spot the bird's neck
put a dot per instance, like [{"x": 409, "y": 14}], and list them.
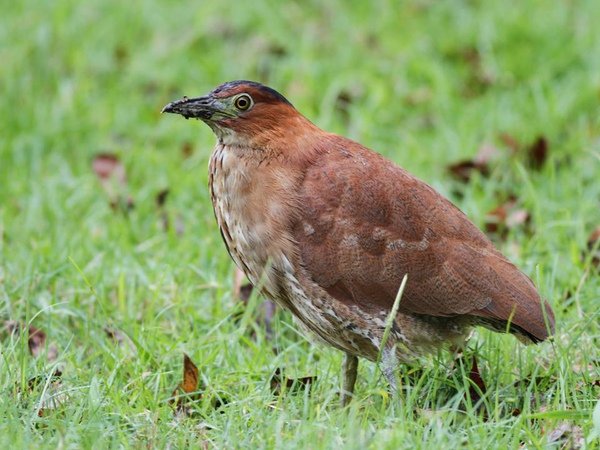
[
  {"x": 286, "y": 141},
  {"x": 251, "y": 184}
]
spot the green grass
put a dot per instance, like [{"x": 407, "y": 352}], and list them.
[{"x": 81, "y": 78}]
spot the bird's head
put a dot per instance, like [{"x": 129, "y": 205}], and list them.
[{"x": 242, "y": 113}]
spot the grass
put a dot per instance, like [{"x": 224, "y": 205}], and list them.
[{"x": 426, "y": 83}]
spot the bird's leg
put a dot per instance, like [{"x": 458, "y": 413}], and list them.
[
  {"x": 350, "y": 369},
  {"x": 389, "y": 363}
]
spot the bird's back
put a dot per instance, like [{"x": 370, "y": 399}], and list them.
[{"x": 366, "y": 222}]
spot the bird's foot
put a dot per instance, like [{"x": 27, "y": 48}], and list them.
[{"x": 350, "y": 369}]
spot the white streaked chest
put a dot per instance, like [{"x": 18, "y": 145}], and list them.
[{"x": 244, "y": 211}]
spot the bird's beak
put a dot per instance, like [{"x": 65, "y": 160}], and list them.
[{"x": 198, "y": 108}]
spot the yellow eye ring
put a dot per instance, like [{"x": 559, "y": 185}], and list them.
[{"x": 243, "y": 102}]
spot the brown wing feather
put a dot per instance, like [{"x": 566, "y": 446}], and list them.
[{"x": 374, "y": 223}]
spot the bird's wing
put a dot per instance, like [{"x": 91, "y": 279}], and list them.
[{"x": 365, "y": 223}]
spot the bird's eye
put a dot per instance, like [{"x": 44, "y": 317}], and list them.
[{"x": 243, "y": 102}]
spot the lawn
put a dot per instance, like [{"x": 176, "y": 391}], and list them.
[{"x": 123, "y": 281}]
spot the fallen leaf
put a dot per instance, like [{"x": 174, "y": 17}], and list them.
[
  {"x": 537, "y": 153},
  {"x": 114, "y": 335},
  {"x": 187, "y": 149},
  {"x": 189, "y": 386},
  {"x": 343, "y": 101},
  {"x": 36, "y": 338},
  {"x": 36, "y": 341},
  {"x": 517, "y": 218},
  {"x": 510, "y": 142},
  {"x": 277, "y": 50},
  {"x": 122, "y": 205},
  {"x": 486, "y": 153},
  {"x": 120, "y": 55},
  {"x": 160, "y": 200},
  {"x": 107, "y": 165},
  {"x": 11, "y": 327},
  {"x": 292, "y": 385},
  {"x": 479, "y": 76},
  {"x": 161, "y": 197},
  {"x": 475, "y": 377},
  {"x": 119, "y": 338},
  {"x": 593, "y": 246},
  {"x": 463, "y": 170},
  {"x": 111, "y": 173},
  {"x": 190, "y": 375},
  {"x": 505, "y": 217},
  {"x": 245, "y": 292}
]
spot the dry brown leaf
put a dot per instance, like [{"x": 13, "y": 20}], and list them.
[
  {"x": 160, "y": 200},
  {"x": 187, "y": 149},
  {"x": 190, "y": 375},
  {"x": 517, "y": 217},
  {"x": 593, "y": 245},
  {"x": 114, "y": 335},
  {"x": 108, "y": 165},
  {"x": 477, "y": 387},
  {"x": 486, "y": 153},
  {"x": 36, "y": 338},
  {"x": 189, "y": 386},
  {"x": 510, "y": 142},
  {"x": 111, "y": 173},
  {"x": 537, "y": 153},
  {"x": 245, "y": 292},
  {"x": 480, "y": 77},
  {"x": 505, "y": 217},
  {"x": 36, "y": 341},
  {"x": 463, "y": 170},
  {"x": 120, "y": 55},
  {"x": 343, "y": 101},
  {"x": 292, "y": 385},
  {"x": 11, "y": 326},
  {"x": 118, "y": 337},
  {"x": 476, "y": 378},
  {"x": 161, "y": 197}
]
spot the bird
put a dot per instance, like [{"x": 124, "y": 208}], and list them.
[{"x": 329, "y": 230}]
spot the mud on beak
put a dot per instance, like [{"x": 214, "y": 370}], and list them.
[{"x": 201, "y": 108}]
